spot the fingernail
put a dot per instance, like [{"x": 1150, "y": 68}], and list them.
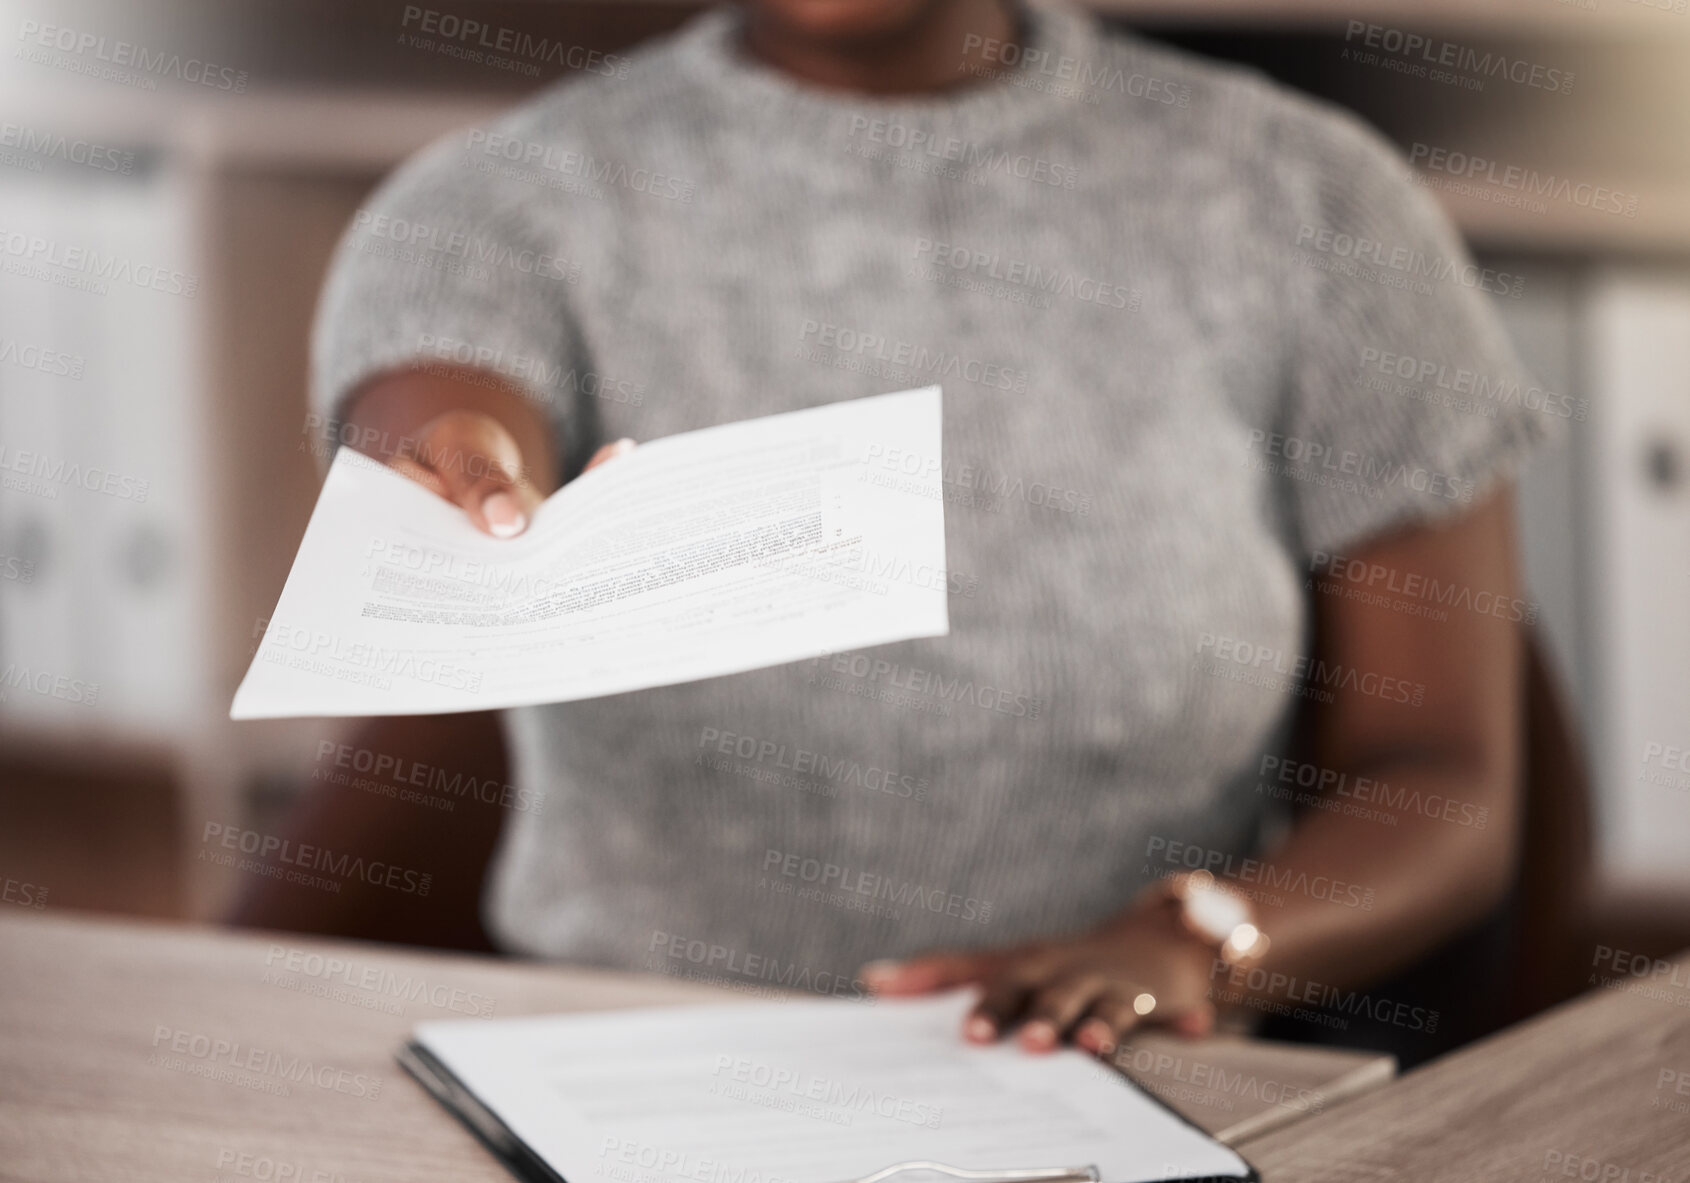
[
  {"x": 1038, "y": 1035},
  {"x": 504, "y": 519},
  {"x": 1195, "y": 1025},
  {"x": 1098, "y": 1036},
  {"x": 622, "y": 447},
  {"x": 980, "y": 1029}
]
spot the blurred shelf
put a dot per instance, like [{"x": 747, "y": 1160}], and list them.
[
  {"x": 1661, "y": 225},
  {"x": 367, "y": 132},
  {"x": 1500, "y": 18},
  {"x": 317, "y": 130}
]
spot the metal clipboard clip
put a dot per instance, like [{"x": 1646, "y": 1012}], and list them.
[{"x": 1086, "y": 1174}]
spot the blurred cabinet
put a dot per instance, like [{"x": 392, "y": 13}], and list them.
[
  {"x": 102, "y": 518},
  {"x": 1554, "y": 535},
  {"x": 1605, "y": 541},
  {"x": 1637, "y": 340}
]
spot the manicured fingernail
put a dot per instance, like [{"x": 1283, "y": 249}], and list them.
[
  {"x": 1195, "y": 1025},
  {"x": 622, "y": 447},
  {"x": 1097, "y": 1035},
  {"x": 980, "y": 1029},
  {"x": 504, "y": 519},
  {"x": 1038, "y": 1035}
]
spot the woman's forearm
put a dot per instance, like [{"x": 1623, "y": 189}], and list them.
[
  {"x": 1424, "y": 868},
  {"x": 1356, "y": 894}
]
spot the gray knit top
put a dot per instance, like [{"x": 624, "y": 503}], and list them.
[{"x": 1195, "y": 333}]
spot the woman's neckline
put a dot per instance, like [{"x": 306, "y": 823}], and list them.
[{"x": 1019, "y": 84}]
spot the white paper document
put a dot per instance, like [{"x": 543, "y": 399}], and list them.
[
  {"x": 806, "y": 1092},
  {"x": 716, "y": 551}
]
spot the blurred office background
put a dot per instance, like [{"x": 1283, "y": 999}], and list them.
[{"x": 236, "y": 193}]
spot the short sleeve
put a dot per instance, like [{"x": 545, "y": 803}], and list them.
[
  {"x": 1406, "y": 401},
  {"x": 447, "y": 264}
]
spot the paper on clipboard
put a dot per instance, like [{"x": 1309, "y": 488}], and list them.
[{"x": 804, "y": 1092}]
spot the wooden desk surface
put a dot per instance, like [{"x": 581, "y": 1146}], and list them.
[
  {"x": 90, "y": 1087},
  {"x": 1597, "y": 1089}
]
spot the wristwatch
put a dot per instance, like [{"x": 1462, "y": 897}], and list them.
[{"x": 1218, "y": 916}]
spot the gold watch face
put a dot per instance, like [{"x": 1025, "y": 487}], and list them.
[{"x": 1214, "y": 913}]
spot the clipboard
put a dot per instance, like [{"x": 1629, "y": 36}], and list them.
[{"x": 521, "y": 1161}]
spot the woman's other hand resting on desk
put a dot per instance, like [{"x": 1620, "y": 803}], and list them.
[
  {"x": 1092, "y": 990},
  {"x": 481, "y": 445}
]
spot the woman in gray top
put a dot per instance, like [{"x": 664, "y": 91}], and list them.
[{"x": 1228, "y": 431}]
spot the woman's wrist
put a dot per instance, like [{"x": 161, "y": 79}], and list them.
[{"x": 1222, "y": 921}]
